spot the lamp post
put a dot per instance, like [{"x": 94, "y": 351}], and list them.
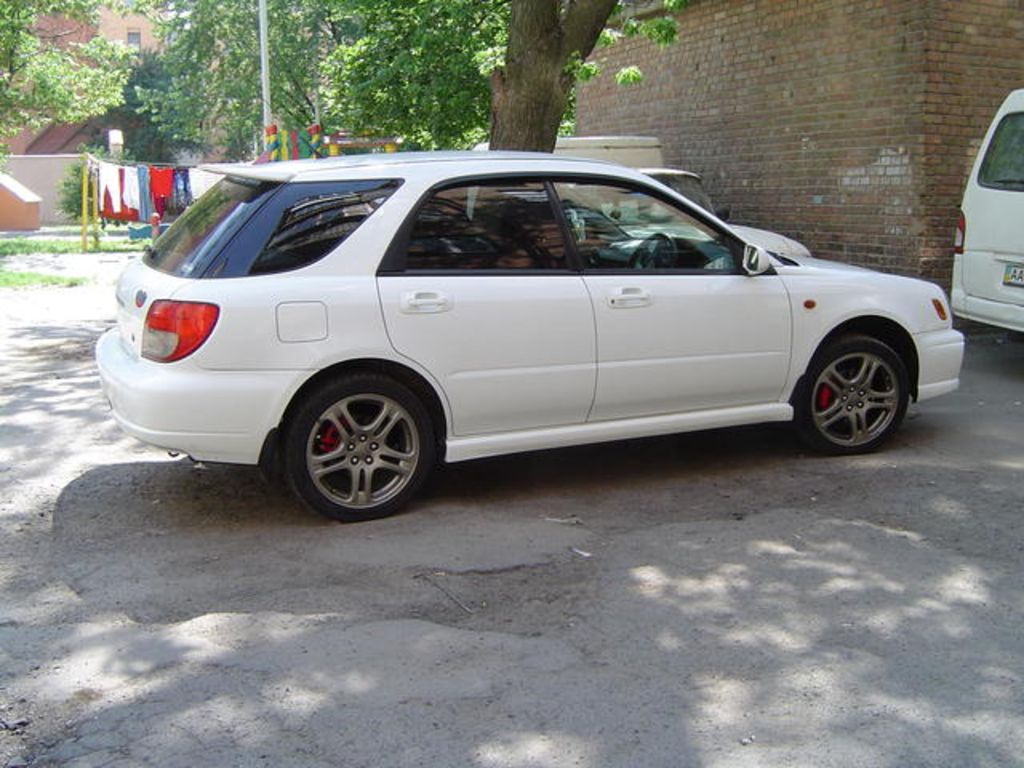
[{"x": 264, "y": 63}]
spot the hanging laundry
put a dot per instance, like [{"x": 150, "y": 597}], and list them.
[
  {"x": 201, "y": 180},
  {"x": 182, "y": 190},
  {"x": 131, "y": 187},
  {"x": 115, "y": 207},
  {"x": 145, "y": 196},
  {"x": 161, "y": 184},
  {"x": 109, "y": 186},
  {"x": 128, "y": 212}
]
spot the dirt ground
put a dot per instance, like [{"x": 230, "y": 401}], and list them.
[{"x": 714, "y": 599}]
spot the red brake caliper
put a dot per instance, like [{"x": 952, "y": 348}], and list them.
[
  {"x": 825, "y": 397},
  {"x": 328, "y": 438}
]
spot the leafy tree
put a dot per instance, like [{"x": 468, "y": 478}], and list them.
[
  {"x": 548, "y": 44},
  {"x": 144, "y": 138},
  {"x": 415, "y": 68},
  {"x": 439, "y": 72},
  {"x": 211, "y": 52},
  {"x": 436, "y": 72},
  {"x": 45, "y": 75}
]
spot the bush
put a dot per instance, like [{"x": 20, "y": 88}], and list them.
[{"x": 69, "y": 193}]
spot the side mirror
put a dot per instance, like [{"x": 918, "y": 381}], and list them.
[
  {"x": 755, "y": 260},
  {"x": 723, "y": 212}
]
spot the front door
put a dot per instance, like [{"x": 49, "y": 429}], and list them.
[{"x": 679, "y": 327}]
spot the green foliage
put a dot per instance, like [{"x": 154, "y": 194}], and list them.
[
  {"x": 27, "y": 245},
  {"x": 581, "y": 70},
  {"x": 661, "y": 30},
  {"x": 69, "y": 193},
  {"x": 608, "y": 37},
  {"x": 629, "y": 76},
  {"x": 35, "y": 280},
  {"x": 45, "y": 76},
  {"x": 210, "y": 96},
  {"x": 145, "y": 139},
  {"x": 416, "y": 68}
]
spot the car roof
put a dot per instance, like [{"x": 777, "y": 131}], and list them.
[{"x": 450, "y": 163}]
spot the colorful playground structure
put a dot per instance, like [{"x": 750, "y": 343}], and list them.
[{"x": 311, "y": 142}]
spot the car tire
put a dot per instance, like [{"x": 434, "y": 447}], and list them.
[
  {"x": 853, "y": 396},
  {"x": 358, "y": 448}
]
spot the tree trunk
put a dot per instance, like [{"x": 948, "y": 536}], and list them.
[{"x": 530, "y": 93}]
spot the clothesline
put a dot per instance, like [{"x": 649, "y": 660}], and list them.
[{"x": 135, "y": 192}]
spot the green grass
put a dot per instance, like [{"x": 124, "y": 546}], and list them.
[
  {"x": 26, "y": 245},
  {"x": 35, "y": 279}
]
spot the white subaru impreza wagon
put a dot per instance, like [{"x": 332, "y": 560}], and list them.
[{"x": 353, "y": 321}]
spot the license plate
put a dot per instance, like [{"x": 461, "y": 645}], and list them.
[{"x": 1014, "y": 275}]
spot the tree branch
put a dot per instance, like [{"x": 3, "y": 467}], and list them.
[{"x": 582, "y": 25}]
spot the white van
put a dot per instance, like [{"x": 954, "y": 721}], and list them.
[{"x": 988, "y": 268}]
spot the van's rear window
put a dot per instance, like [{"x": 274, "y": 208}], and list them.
[
  {"x": 190, "y": 243},
  {"x": 1003, "y": 166}
]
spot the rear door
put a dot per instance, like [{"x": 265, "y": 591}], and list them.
[
  {"x": 993, "y": 259},
  {"x": 477, "y": 290}
]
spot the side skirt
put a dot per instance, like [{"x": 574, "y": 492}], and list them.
[{"x": 480, "y": 446}]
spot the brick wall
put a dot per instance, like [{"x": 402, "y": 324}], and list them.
[
  {"x": 974, "y": 55},
  {"x": 824, "y": 119}
]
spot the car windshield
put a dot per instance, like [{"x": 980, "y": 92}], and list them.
[{"x": 193, "y": 240}]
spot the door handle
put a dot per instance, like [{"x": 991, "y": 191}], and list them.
[
  {"x": 425, "y": 302},
  {"x": 627, "y": 298}
]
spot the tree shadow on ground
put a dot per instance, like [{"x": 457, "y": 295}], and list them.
[{"x": 751, "y": 631}]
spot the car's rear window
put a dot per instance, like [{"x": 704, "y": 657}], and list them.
[
  {"x": 318, "y": 221},
  {"x": 192, "y": 241},
  {"x": 1003, "y": 166}
]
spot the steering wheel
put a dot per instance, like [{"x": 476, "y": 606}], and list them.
[{"x": 657, "y": 251}]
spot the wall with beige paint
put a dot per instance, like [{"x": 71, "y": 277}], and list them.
[
  {"x": 42, "y": 175},
  {"x": 19, "y": 206}
]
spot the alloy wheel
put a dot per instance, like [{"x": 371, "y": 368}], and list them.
[
  {"x": 855, "y": 399},
  {"x": 363, "y": 451}
]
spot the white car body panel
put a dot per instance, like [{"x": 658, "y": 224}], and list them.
[
  {"x": 841, "y": 293},
  {"x": 773, "y": 242},
  {"x": 678, "y": 343},
  {"x": 561, "y": 367},
  {"x": 502, "y": 362}
]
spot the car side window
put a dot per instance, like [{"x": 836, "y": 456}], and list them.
[
  {"x": 619, "y": 227},
  {"x": 487, "y": 226},
  {"x": 1003, "y": 166},
  {"x": 314, "y": 225}
]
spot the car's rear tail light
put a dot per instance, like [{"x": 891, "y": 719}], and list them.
[
  {"x": 176, "y": 329},
  {"x": 961, "y": 233}
]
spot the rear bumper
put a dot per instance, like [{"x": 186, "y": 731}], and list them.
[
  {"x": 999, "y": 313},
  {"x": 209, "y": 415},
  {"x": 940, "y": 355}
]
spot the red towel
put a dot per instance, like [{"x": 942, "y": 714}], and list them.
[{"x": 161, "y": 187}]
